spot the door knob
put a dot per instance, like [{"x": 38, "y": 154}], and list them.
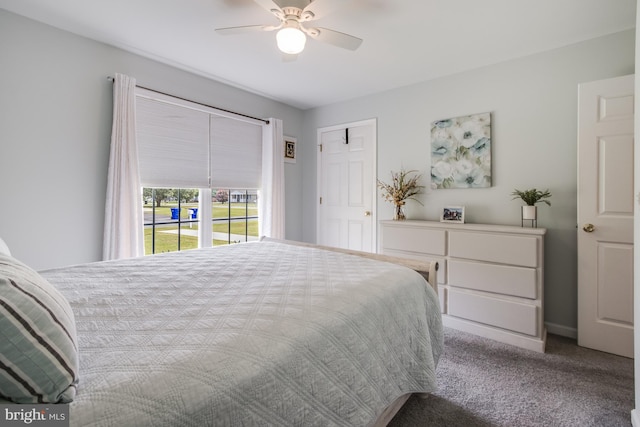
[
  {"x": 588, "y": 228},
  {"x": 367, "y": 213}
]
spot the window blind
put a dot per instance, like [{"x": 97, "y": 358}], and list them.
[
  {"x": 236, "y": 153},
  {"x": 186, "y": 145},
  {"x": 173, "y": 145}
]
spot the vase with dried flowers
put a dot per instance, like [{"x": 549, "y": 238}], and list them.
[{"x": 402, "y": 188}]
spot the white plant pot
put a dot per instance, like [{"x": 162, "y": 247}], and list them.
[{"x": 530, "y": 213}]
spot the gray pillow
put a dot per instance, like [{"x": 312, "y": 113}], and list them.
[{"x": 38, "y": 345}]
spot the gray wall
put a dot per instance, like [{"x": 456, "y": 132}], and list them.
[
  {"x": 55, "y": 128},
  {"x": 533, "y": 102}
]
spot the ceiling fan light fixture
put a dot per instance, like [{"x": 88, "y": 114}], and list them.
[{"x": 291, "y": 40}]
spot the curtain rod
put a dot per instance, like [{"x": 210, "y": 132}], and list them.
[{"x": 199, "y": 103}]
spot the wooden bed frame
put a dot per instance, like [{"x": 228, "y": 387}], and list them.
[{"x": 428, "y": 270}]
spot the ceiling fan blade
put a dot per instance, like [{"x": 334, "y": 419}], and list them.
[
  {"x": 270, "y": 6},
  {"x": 244, "y": 29},
  {"x": 335, "y": 38},
  {"x": 320, "y": 8}
]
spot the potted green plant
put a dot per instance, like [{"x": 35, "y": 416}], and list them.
[
  {"x": 402, "y": 188},
  {"x": 531, "y": 197}
]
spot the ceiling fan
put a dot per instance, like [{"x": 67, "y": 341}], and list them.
[{"x": 291, "y": 35}]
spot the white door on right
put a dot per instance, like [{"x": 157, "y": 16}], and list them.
[{"x": 605, "y": 215}]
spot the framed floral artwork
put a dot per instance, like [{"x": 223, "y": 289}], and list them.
[
  {"x": 290, "y": 149},
  {"x": 461, "y": 152}
]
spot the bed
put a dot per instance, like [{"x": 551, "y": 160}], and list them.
[{"x": 261, "y": 333}]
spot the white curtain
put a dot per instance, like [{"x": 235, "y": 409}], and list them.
[
  {"x": 271, "y": 221},
  {"x": 123, "y": 222}
]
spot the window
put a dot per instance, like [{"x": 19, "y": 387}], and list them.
[
  {"x": 172, "y": 218},
  {"x": 189, "y": 153},
  {"x": 169, "y": 218},
  {"x": 235, "y": 216}
]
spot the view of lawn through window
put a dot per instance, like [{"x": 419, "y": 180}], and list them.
[{"x": 171, "y": 218}]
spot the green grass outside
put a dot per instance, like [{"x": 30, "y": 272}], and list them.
[
  {"x": 219, "y": 210},
  {"x": 167, "y": 242},
  {"x": 238, "y": 227}
]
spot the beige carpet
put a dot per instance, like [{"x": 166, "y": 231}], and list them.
[{"x": 485, "y": 383}]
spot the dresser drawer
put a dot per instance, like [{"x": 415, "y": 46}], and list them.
[
  {"x": 501, "y": 279},
  {"x": 442, "y": 262},
  {"x": 413, "y": 239},
  {"x": 499, "y": 248},
  {"x": 510, "y": 315},
  {"x": 442, "y": 295}
]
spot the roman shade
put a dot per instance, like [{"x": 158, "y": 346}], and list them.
[
  {"x": 182, "y": 144},
  {"x": 236, "y": 153},
  {"x": 173, "y": 144}
]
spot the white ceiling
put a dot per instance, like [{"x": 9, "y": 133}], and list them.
[{"x": 405, "y": 41}]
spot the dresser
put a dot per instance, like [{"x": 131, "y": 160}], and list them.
[{"x": 490, "y": 280}]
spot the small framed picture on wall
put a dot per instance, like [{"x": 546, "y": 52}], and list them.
[
  {"x": 452, "y": 214},
  {"x": 289, "y": 149}
]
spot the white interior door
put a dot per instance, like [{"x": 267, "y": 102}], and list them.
[
  {"x": 347, "y": 186},
  {"x": 605, "y": 215}
]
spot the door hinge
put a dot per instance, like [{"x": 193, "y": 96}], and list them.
[
  {"x": 321, "y": 148},
  {"x": 320, "y": 200}
]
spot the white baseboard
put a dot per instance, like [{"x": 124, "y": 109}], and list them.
[
  {"x": 502, "y": 335},
  {"x": 635, "y": 418},
  {"x": 563, "y": 331}
]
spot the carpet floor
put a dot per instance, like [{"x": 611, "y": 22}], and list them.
[{"x": 482, "y": 382}]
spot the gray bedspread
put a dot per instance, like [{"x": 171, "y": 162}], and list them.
[{"x": 255, "y": 334}]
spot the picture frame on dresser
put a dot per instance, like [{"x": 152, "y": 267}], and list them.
[{"x": 452, "y": 214}]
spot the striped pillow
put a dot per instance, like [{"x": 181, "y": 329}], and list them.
[{"x": 38, "y": 350}]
